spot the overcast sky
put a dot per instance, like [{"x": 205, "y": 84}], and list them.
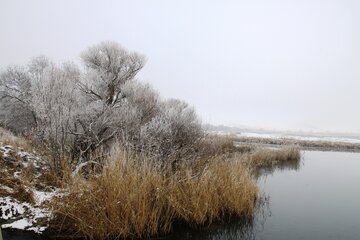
[{"x": 261, "y": 63}]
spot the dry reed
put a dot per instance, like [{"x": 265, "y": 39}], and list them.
[
  {"x": 7, "y": 138},
  {"x": 135, "y": 198},
  {"x": 262, "y": 160}
]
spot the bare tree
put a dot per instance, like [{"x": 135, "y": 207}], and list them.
[
  {"x": 109, "y": 67},
  {"x": 99, "y": 124},
  {"x": 15, "y": 98},
  {"x": 56, "y": 102}
]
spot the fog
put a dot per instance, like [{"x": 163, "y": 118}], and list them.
[{"x": 287, "y": 65}]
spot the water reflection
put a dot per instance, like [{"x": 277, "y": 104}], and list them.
[
  {"x": 293, "y": 164},
  {"x": 233, "y": 228}
]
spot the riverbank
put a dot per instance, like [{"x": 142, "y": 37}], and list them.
[{"x": 131, "y": 195}]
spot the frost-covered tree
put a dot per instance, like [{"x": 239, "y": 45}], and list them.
[
  {"x": 41, "y": 97},
  {"x": 56, "y": 102},
  {"x": 15, "y": 98},
  {"x": 108, "y": 67},
  {"x": 99, "y": 124},
  {"x": 106, "y": 114},
  {"x": 75, "y": 113}
]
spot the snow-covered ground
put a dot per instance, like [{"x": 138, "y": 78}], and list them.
[
  {"x": 17, "y": 214},
  {"x": 24, "y": 215}
]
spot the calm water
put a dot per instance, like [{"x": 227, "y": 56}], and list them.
[{"x": 316, "y": 199}]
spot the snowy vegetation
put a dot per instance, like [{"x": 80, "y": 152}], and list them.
[{"x": 75, "y": 113}]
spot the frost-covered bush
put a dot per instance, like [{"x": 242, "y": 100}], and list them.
[
  {"x": 75, "y": 113},
  {"x": 139, "y": 106},
  {"x": 173, "y": 132}
]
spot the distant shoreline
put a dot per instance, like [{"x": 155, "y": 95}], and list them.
[{"x": 303, "y": 144}]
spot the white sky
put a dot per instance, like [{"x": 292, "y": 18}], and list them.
[{"x": 273, "y": 64}]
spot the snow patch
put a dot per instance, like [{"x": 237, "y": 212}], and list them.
[
  {"x": 19, "y": 224},
  {"x": 11, "y": 208},
  {"x": 41, "y": 196},
  {"x": 23, "y": 214},
  {"x": 6, "y": 149}
]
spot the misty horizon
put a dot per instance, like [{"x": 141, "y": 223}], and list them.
[{"x": 282, "y": 65}]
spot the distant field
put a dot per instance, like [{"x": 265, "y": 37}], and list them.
[
  {"x": 324, "y": 143},
  {"x": 303, "y": 137},
  {"x": 307, "y": 143}
]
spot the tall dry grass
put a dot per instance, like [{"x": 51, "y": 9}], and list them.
[
  {"x": 265, "y": 160},
  {"x": 8, "y": 138},
  {"x": 269, "y": 157},
  {"x": 133, "y": 197}
]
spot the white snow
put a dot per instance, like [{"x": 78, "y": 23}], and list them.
[
  {"x": 6, "y": 150},
  {"x": 11, "y": 208},
  {"x": 38, "y": 230},
  {"x": 22, "y": 153},
  {"x": 19, "y": 224},
  {"x": 26, "y": 158},
  {"x": 25, "y": 224},
  {"x": 41, "y": 196}
]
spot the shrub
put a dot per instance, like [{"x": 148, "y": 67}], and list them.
[{"x": 173, "y": 132}]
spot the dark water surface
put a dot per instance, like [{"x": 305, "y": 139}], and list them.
[
  {"x": 13, "y": 234},
  {"x": 318, "y": 199}
]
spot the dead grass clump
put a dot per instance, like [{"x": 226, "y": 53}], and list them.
[
  {"x": 14, "y": 187},
  {"x": 28, "y": 173},
  {"x": 48, "y": 179},
  {"x": 264, "y": 158},
  {"x": 222, "y": 187},
  {"x": 215, "y": 145},
  {"x": 7, "y": 138},
  {"x": 11, "y": 186},
  {"x": 135, "y": 198}
]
